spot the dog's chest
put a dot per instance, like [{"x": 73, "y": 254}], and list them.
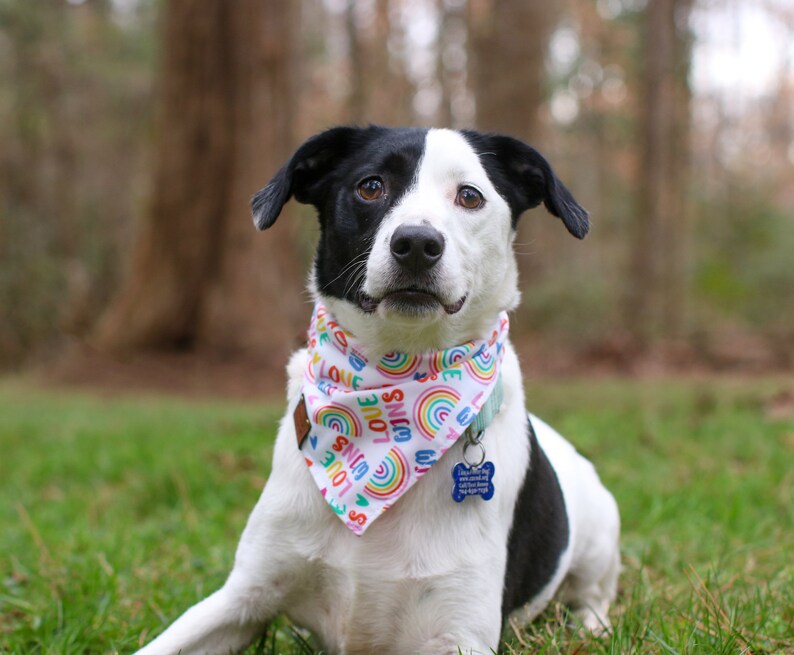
[{"x": 388, "y": 589}]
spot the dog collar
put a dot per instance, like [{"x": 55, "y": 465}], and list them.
[
  {"x": 370, "y": 428},
  {"x": 489, "y": 410}
]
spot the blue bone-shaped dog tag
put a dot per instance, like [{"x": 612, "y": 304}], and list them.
[{"x": 470, "y": 481}]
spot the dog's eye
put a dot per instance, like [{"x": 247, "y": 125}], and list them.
[
  {"x": 371, "y": 188},
  {"x": 469, "y": 198}
]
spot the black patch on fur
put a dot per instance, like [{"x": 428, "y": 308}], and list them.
[
  {"x": 524, "y": 178},
  {"x": 325, "y": 172},
  {"x": 539, "y": 534}
]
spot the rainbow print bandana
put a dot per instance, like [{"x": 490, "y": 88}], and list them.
[{"x": 374, "y": 427}]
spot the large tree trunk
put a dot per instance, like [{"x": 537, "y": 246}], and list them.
[
  {"x": 658, "y": 286},
  {"x": 508, "y": 44},
  {"x": 380, "y": 91},
  {"x": 509, "y": 39},
  {"x": 199, "y": 274}
]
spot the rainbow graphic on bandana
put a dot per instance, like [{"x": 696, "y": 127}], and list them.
[
  {"x": 338, "y": 418},
  {"x": 398, "y": 365},
  {"x": 432, "y": 408},
  {"x": 482, "y": 366},
  {"x": 378, "y": 423},
  {"x": 449, "y": 357},
  {"x": 391, "y": 476}
]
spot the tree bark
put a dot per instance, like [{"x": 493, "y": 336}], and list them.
[
  {"x": 658, "y": 286},
  {"x": 199, "y": 275},
  {"x": 357, "y": 99},
  {"x": 380, "y": 91},
  {"x": 508, "y": 44},
  {"x": 509, "y": 39},
  {"x": 451, "y": 62}
]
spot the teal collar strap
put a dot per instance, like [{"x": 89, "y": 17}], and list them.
[{"x": 489, "y": 410}]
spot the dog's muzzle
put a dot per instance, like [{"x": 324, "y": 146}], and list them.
[{"x": 415, "y": 249}]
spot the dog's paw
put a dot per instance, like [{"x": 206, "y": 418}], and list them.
[
  {"x": 591, "y": 622},
  {"x": 449, "y": 645}
]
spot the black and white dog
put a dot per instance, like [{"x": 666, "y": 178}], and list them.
[{"x": 414, "y": 256}]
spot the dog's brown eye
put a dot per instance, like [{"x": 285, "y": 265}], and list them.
[
  {"x": 371, "y": 188},
  {"x": 469, "y": 198}
]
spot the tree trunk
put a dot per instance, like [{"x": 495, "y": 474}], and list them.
[
  {"x": 200, "y": 276},
  {"x": 451, "y": 63},
  {"x": 380, "y": 91},
  {"x": 357, "y": 99},
  {"x": 657, "y": 297},
  {"x": 509, "y": 42}
]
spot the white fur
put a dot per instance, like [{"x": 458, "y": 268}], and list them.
[{"x": 427, "y": 576}]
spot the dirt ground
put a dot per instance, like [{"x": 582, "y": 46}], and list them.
[{"x": 184, "y": 374}]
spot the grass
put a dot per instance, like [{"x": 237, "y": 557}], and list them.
[{"x": 117, "y": 514}]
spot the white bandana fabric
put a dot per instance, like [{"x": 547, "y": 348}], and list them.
[{"x": 378, "y": 426}]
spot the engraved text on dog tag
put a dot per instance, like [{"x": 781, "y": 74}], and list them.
[{"x": 473, "y": 481}]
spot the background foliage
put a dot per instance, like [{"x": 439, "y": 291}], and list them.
[{"x": 705, "y": 277}]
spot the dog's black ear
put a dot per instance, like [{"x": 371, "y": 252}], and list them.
[
  {"x": 303, "y": 175},
  {"x": 524, "y": 177}
]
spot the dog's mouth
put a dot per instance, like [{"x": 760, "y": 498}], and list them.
[{"x": 411, "y": 300}]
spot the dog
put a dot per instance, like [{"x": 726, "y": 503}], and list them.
[{"x": 414, "y": 257}]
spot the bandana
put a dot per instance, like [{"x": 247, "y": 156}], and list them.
[{"x": 374, "y": 427}]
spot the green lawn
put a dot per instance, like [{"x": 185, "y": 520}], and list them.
[{"x": 117, "y": 514}]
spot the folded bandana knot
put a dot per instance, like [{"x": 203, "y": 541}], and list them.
[{"x": 375, "y": 426}]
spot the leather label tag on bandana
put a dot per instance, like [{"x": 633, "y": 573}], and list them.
[
  {"x": 380, "y": 421},
  {"x": 301, "y": 420}
]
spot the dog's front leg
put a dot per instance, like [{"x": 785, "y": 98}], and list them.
[
  {"x": 223, "y": 623},
  {"x": 230, "y": 619}
]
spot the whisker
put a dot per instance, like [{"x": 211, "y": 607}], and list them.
[
  {"x": 355, "y": 277},
  {"x": 356, "y": 261}
]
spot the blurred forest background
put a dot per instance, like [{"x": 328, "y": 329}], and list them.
[{"x": 134, "y": 132}]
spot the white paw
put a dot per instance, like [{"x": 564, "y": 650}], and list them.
[{"x": 593, "y": 622}]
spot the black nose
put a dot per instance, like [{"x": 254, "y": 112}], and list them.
[{"x": 417, "y": 247}]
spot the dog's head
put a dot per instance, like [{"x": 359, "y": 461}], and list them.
[{"x": 416, "y": 227}]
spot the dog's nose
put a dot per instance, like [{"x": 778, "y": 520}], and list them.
[{"x": 417, "y": 247}]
